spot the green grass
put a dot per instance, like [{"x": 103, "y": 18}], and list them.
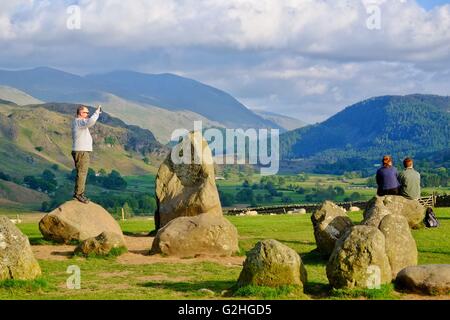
[{"x": 188, "y": 279}]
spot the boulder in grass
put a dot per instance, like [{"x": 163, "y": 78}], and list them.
[
  {"x": 401, "y": 247},
  {"x": 101, "y": 245},
  {"x": 204, "y": 234},
  {"x": 77, "y": 221},
  {"x": 330, "y": 222},
  {"x": 378, "y": 207},
  {"x": 271, "y": 263},
  {"x": 359, "y": 260},
  {"x": 431, "y": 279},
  {"x": 16, "y": 257}
]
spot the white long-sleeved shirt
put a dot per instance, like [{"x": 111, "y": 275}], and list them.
[{"x": 81, "y": 137}]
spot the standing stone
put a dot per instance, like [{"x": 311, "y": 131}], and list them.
[
  {"x": 329, "y": 223},
  {"x": 432, "y": 279},
  {"x": 401, "y": 247},
  {"x": 378, "y": 207},
  {"x": 187, "y": 188},
  {"x": 16, "y": 257},
  {"x": 74, "y": 220},
  {"x": 359, "y": 259},
  {"x": 204, "y": 234},
  {"x": 271, "y": 263},
  {"x": 101, "y": 245}
]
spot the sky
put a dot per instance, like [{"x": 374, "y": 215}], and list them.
[{"x": 303, "y": 58}]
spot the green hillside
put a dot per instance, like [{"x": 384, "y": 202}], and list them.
[
  {"x": 33, "y": 138},
  {"x": 397, "y": 125}
]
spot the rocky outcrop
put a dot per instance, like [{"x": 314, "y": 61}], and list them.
[
  {"x": 432, "y": 279},
  {"x": 16, "y": 258},
  {"x": 101, "y": 245},
  {"x": 204, "y": 234},
  {"x": 359, "y": 259},
  {"x": 74, "y": 220},
  {"x": 329, "y": 223},
  {"x": 271, "y": 263},
  {"x": 187, "y": 188}
]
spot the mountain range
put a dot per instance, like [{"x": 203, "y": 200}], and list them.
[{"x": 158, "y": 102}]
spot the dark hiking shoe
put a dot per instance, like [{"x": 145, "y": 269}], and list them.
[{"x": 81, "y": 198}]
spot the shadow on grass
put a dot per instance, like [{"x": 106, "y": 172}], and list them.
[
  {"x": 317, "y": 290},
  {"x": 299, "y": 242},
  {"x": 191, "y": 287},
  {"x": 314, "y": 257},
  {"x": 137, "y": 234}
]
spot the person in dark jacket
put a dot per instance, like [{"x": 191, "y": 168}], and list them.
[{"x": 387, "y": 178}]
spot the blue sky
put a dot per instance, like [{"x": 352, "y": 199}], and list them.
[
  {"x": 428, "y": 4},
  {"x": 303, "y": 58}
]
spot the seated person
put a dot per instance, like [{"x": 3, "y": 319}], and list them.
[
  {"x": 409, "y": 181},
  {"x": 387, "y": 178}
]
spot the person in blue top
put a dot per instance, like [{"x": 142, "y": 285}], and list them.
[{"x": 387, "y": 178}]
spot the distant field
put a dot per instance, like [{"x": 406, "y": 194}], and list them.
[{"x": 118, "y": 278}]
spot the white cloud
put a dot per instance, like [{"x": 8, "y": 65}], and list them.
[{"x": 313, "y": 56}]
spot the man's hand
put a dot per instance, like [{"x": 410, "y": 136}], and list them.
[{"x": 99, "y": 109}]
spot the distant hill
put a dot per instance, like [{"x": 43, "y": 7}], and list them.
[
  {"x": 285, "y": 122},
  {"x": 397, "y": 125},
  {"x": 161, "y": 122},
  {"x": 35, "y": 137},
  {"x": 165, "y": 91},
  {"x": 15, "y": 194},
  {"x": 17, "y": 96}
]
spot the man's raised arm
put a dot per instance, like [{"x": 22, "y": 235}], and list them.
[{"x": 87, "y": 123}]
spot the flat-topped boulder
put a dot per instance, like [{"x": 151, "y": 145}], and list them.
[
  {"x": 271, "y": 263},
  {"x": 378, "y": 207},
  {"x": 431, "y": 279},
  {"x": 16, "y": 257},
  {"x": 187, "y": 188},
  {"x": 78, "y": 221},
  {"x": 205, "y": 234},
  {"x": 330, "y": 222}
]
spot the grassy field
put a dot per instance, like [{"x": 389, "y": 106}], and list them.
[{"x": 112, "y": 278}]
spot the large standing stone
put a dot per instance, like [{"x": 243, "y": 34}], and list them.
[
  {"x": 204, "y": 234},
  {"x": 359, "y": 259},
  {"x": 329, "y": 223},
  {"x": 271, "y": 263},
  {"x": 16, "y": 258},
  {"x": 101, "y": 244},
  {"x": 74, "y": 220},
  {"x": 187, "y": 188},
  {"x": 378, "y": 207},
  {"x": 401, "y": 247},
  {"x": 430, "y": 279}
]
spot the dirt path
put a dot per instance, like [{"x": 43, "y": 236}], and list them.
[{"x": 138, "y": 253}]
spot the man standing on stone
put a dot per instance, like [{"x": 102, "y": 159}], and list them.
[
  {"x": 409, "y": 181},
  {"x": 81, "y": 148}
]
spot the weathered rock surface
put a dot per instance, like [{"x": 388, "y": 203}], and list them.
[
  {"x": 74, "y": 220},
  {"x": 359, "y": 259},
  {"x": 204, "y": 234},
  {"x": 187, "y": 188},
  {"x": 378, "y": 207},
  {"x": 16, "y": 257},
  {"x": 401, "y": 247},
  {"x": 101, "y": 244},
  {"x": 329, "y": 222},
  {"x": 431, "y": 279},
  {"x": 271, "y": 263}
]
